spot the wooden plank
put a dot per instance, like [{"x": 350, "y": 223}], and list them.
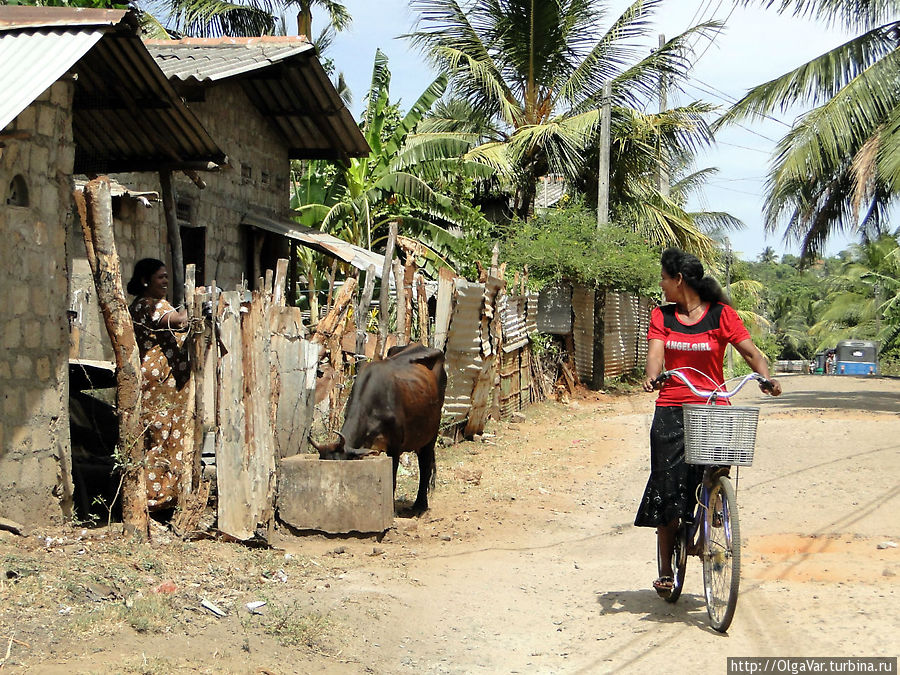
[
  {"x": 281, "y": 268},
  {"x": 362, "y": 311},
  {"x": 400, "y": 289},
  {"x": 260, "y": 445},
  {"x": 422, "y": 308},
  {"x": 444, "y": 306},
  {"x": 289, "y": 361},
  {"x": 233, "y": 497},
  {"x": 333, "y": 321},
  {"x": 384, "y": 313}
]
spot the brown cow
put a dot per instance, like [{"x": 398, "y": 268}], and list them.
[{"x": 395, "y": 407}]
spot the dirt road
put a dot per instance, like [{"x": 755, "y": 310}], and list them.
[{"x": 528, "y": 561}]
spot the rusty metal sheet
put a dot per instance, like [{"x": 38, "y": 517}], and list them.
[
  {"x": 510, "y": 384},
  {"x": 583, "y": 330},
  {"x": 554, "y": 310},
  {"x": 323, "y": 242},
  {"x": 554, "y": 313},
  {"x": 464, "y": 362}
]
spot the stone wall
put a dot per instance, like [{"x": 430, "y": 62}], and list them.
[{"x": 35, "y": 462}]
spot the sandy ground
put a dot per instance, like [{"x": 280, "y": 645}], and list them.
[{"x": 528, "y": 562}]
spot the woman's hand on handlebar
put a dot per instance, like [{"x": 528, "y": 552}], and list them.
[
  {"x": 771, "y": 387},
  {"x": 651, "y": 383}
]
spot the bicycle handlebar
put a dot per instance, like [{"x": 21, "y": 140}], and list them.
[{"x": 715, "y": 394}]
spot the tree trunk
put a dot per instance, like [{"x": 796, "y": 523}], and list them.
[
  {"x": 304, "y": 20},
  {"x": 95, "y": 208}
]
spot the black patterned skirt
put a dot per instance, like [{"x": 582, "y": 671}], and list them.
[{"x": 671, "y": 490}]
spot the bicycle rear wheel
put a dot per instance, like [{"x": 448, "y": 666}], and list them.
[
  {"x": 722, "y": 554},
  {"x": 679, "y": 562}
]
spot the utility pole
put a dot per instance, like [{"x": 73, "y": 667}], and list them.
[
  {"x": 730, "y": 350},
  {"x": 603, "y": 172},
  {"x": 664, "y": 186}
]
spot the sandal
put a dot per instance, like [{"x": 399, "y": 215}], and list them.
[{"x": 664, "y": 586}]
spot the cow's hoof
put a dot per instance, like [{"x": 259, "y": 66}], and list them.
[{"x": 413, "y": 511}]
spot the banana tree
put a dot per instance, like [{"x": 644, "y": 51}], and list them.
[{"x": 406, "y": 177}]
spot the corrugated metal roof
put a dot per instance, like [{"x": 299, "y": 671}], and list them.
[
  {"x": 126, "y": 114},
  {"x": 283, "y": 78},
  {"x": 32, "y": 61},
  {"x": 319, "y": 241}
]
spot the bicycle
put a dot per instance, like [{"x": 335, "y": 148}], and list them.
[{"x": 719, "y": 437}]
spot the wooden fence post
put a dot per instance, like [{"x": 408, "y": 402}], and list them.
[
  {"x": 95, "y": 208},
  {"x": 384, "y": 296}
]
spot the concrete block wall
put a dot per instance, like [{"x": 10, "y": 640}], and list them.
[{"x": 35, "y": 464}]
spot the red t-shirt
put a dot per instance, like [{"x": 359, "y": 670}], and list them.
[{"x": 700, "y": 345}]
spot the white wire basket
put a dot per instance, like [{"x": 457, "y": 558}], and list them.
[{"x": 719, "y": 434}]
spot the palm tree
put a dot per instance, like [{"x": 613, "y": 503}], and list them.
[
  {"x": 838, "y": 168},
  {"x": 864, "y": 302},
  {"x": 768, "y": 255},
  {"x": 537, "y": 67},
  {"x": 248, "y": 18}
]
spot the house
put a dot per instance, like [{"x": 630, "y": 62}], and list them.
[
  {"x": 84, "y": 96},
  {"x": 265, "y": 101},
  {"x": 81, "y": 95}
]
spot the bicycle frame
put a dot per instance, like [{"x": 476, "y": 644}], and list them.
[{"x": 699, "y": 523}]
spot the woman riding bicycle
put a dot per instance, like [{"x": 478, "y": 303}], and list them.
[{"x": 692, "y": 332}]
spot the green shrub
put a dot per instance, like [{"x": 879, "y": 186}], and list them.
[{"x": 567, "y": 244}]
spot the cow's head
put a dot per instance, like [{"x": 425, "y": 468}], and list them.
[{"x": 337, "y": 450}]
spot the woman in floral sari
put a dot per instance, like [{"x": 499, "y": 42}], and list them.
[{"x": 165, "y": 372}]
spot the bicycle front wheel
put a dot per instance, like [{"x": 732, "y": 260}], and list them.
[{"x": 722, "y": 554}]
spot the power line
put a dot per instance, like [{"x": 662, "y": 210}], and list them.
[
  {"x": 728, "y": 98},
  {"x": 724, "y": 23},
  {"x": 740, "y": 192},
  {"x": 743, "y": 147},
  {"x": 698, "y": 13},
  {"x": 738, "y": 124},
  {"x": 734, "y": 180}
]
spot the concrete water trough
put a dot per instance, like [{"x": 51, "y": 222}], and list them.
[{"x": 336, "y": 496}]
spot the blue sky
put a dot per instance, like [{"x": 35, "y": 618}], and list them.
[{"x": 756, "y": 46}]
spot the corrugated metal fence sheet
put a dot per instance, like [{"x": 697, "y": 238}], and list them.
[
  {"x": 464, "y": 360},
  {"x": 512, "y": 309},
  {"x": 317, "y": 240},
  {"x": 626, "y": 319},
  {"x": 583, "y": 331},
  {"x": 554, "y": 313}
]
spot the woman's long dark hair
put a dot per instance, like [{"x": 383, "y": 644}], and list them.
[
  {"x": 143, "y": 270},
  {"x": 675, "y": 261}
]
